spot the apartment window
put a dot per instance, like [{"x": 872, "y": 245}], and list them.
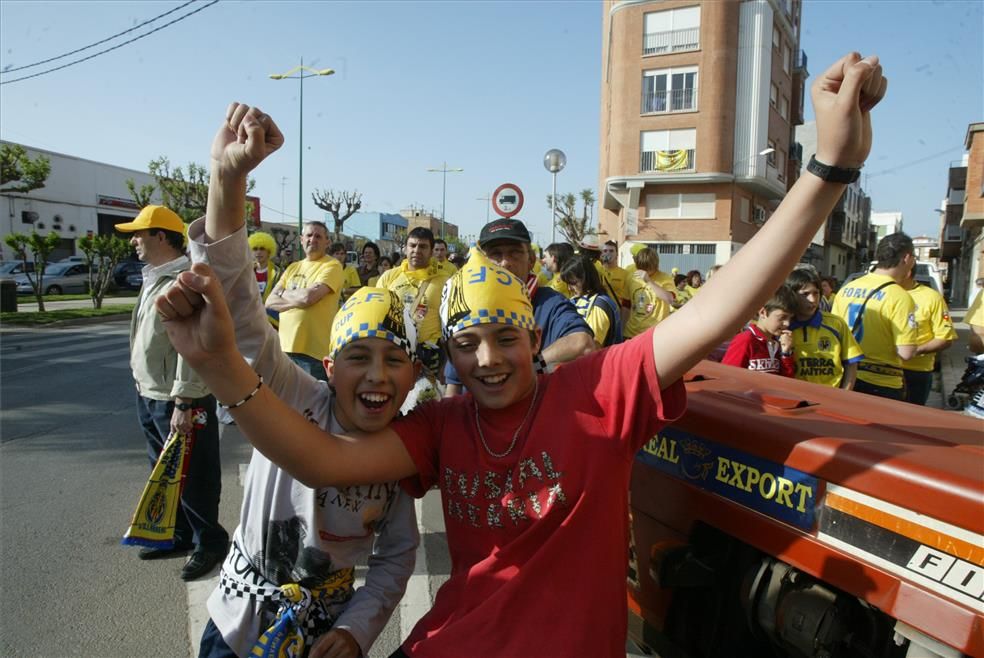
[
  {"x": 744, "y": 209},
  {"x": 668, "y": 150},
  {"x": 671, "y": 31},
  {"x": 787, "y": 58},
  {"x": 784, "y": 107},
  {"x": 776, "y": 38},
  {"x": 781, "y": 164},
  {"x": 680, "y": 206},
  {"x": 669, "y": 90},
  {"x": 771, "y": 157}
]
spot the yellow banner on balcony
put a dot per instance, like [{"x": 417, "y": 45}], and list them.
[{"x": 671, "y": 160}]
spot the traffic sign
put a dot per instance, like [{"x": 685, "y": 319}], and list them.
[{"x": 507, "y": 200}]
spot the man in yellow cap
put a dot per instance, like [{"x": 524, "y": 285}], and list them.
[
  {"x": 171, "y": 396},
  {"x": 264, "y": 249}
]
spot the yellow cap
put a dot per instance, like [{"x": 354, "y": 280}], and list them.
[
  {"x": 636, "y": 248},
  {"x": 154, "y": 217}
]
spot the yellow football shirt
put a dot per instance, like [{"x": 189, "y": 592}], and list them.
[
  {"x": 822, "y": 346},
  {"x": 932, "y": 321},
  {"x": 425, "y": 307},
  {"x": 975, "y": 314},
  {"x": 594, "y": 316},
  {"x": 889, "y": 320},
  {"x": 308, "y": 330},
  {"x": 646, "y": 310}
]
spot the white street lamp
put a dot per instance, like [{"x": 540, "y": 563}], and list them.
[
  {"x": 444, "y": 190},
  {"x": 554, "y": 161}
]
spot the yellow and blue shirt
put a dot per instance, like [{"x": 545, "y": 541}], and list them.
[
  {"x": 602, "y": 315},
  {"x": 889, "y": 320},
  {"x": 823, "y": 345},
  {"x": 932, "y": 321}
]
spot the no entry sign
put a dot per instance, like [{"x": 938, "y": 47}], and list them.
[{"x": 507, "y": 200}]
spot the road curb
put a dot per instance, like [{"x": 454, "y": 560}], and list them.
[{"x": 116, "y": 317}]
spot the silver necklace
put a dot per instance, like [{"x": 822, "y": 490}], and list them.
[{"x": 512, "y": 444}]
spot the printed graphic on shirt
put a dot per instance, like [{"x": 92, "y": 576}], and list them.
[
  {"x": 285, "y": 558},
  {"x": 493, "y": 499}
]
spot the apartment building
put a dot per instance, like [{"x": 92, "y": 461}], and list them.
[
  {"x": 962, "y": 219},
  {"x": 419, "y": 217},
  {"x": 698, "y": 105}
]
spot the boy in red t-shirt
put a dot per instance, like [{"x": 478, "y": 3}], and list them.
[
  {"x": 533, "y": 469},
  {"x": 766, "y": 344}
]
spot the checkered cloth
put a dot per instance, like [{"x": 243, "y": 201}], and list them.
[{"x": 373, "y": 313}]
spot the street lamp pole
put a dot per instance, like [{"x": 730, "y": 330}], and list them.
[
  {"x": 444, "y": 189},
  {"x": 289, "y": 75},
  {"x": 488, "y": 202},
  {"x": 554, "y": 161}
]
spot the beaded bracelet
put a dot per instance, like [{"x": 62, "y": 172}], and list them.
[{"x": 245, "y": 399}]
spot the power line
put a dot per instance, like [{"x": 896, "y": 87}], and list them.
[
  {"x": 904, "y": 165},
  {"x": 103, "y": 52},
  {"x": 93, "y": 45}
]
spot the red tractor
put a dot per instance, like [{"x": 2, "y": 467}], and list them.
[{"x": 781, "y": 518}]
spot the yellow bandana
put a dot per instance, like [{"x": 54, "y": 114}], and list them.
[
  {"x": 373, "y": 313},
  {"x": 481, "y": 292}
]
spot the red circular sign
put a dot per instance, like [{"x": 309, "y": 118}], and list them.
[{"x": 507, "y": 200}]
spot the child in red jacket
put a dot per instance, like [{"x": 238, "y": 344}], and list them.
[{"x": 766, "y": 344}]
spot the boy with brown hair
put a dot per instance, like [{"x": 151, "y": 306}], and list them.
[{"x": 766, "y": 344}]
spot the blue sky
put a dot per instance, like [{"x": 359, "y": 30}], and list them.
[{"x": 485, "y": 86}]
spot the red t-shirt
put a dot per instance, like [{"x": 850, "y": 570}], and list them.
[
  {"x": 754, "y": 350},
  {"x": 538, "y": 538}
]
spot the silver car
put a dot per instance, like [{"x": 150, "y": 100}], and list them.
[{"x": 59, "y": 278}]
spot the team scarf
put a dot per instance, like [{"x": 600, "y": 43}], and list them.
[{"x": 154, "y": 520}]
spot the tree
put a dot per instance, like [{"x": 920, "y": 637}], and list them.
[
  {"x": 40, "y": 248},
  {"x": 571, "y": 226},
  {"x": 457, "y": 246},
  {"x": 332, "y": 201},
  {"x": 102, "y": 253},
  {"x": 17, "y": 168},
  {"x": 185, "y": 191}
]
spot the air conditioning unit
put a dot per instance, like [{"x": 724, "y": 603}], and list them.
[
  {"x": 758, "y": 216},
  {"x": 29, "y": 216}
]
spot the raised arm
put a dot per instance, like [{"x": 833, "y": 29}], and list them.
[
  {"x": 842, "y": 99},
  {"x": 242, "y": 142}
]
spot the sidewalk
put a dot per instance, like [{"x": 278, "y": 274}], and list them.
[
  {"x": 951, "y": 361},
  {"x": 27, "y": 303}
]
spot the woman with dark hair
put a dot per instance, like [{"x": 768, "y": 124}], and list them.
[
  {"x": 592, "y": 300},
  {"x": 368, "y": 268},
  {"x": 694, "y": 282},
  {"x": 554, "y": 257}
]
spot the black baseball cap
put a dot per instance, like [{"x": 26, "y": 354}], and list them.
[{"x": 504, "y": 229}]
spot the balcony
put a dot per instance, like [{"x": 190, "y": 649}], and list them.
[
  {"x": 800, "y": 63},
  {"x": 673, "y": 41},
  {"x": 675, "y": 100},
  {"x": 796, "y": 152},
  {"x": 952, "y": 233},
  {"x": 668, "y": 161}
]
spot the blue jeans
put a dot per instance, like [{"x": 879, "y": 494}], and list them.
[
  {"x": 881, "y": 391},
  {"x": 917, "y": 386},
  {"x": 198, "y": 519},
  {"x": 212, "y": 645},
  {"x": 310, "y": 364}
]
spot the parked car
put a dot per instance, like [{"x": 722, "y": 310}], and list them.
[
  {"x": 123, "y": 272},
  {"x": 59, "y": 278},
  {"x": 10, "y": 268},
  {"x": 134, "y": 281}
]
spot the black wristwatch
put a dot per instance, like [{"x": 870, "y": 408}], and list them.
[
  {"x": 182, "y": 406},
  {"x": 830, "y": 173}
]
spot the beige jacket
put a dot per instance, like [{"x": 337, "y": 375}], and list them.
[{"x": 159, "y": 372}]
